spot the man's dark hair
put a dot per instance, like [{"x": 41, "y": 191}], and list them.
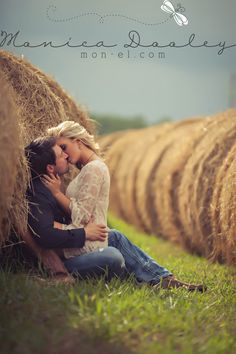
[{"x": 39, "y": 154}]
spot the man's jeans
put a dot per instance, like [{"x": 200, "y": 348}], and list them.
[{"x": 121, "y": 256}]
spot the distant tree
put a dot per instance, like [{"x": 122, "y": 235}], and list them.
[
  {"x": 164, "y": 119},
  {"x": 111, "y": 123}
]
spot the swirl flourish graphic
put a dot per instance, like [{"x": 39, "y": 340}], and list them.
[{"x": 52, "y": 10}]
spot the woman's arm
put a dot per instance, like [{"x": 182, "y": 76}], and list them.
[
  {"x": 63, "y": 201},
  {"x": 85, "y": 193}
]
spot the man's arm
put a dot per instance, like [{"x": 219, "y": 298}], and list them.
[
  {"x": 41, "y": 219},
  {"x": 41, "y": 224}
]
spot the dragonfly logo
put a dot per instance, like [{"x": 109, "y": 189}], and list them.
[{"x": 179, "y": 18}]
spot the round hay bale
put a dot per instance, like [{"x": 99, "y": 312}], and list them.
[
  {"x": 108, "y": 145},
  {"x": 180, "y": 184},
  {"x": 73, "y": 110},
  {"x": 106, "y": 141},
  {"x": 143, "y": 192},
  {"x": 40, "y": 108},
  {"x": 131, "y": 147},
  {"x": 9, "y": 150},
  {"x": 180, "y": 142},
  {"x": 113, "y": 158},
  {"x": 223, "y": 211},
  {"x": 199, "y": 180},
  {"x": 134, "y": 159}
]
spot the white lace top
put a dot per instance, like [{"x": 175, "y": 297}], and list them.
[{"x": 89, "y": 199}]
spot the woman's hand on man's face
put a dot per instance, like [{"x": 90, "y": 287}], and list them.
[{"x": 52, "y": 182}]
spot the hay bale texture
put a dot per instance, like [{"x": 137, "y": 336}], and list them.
[
  {"x": 150, "y": 158},
  {"x": 223, "y": 211},
  {"x": 199, "y": 181},
  {"x": 73, "y": 110},
  {"x": 115, "y": 152},
  {"x": 177, "y": 180},
  {"x": 9, "y": 150},
  {"x": 42, "y": 103},
  {"x": 176, "y": 148}
]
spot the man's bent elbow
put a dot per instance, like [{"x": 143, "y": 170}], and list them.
[{"x": 44, "y": 240}]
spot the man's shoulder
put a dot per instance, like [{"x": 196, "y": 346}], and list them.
[{"x": 38, "y": 193}]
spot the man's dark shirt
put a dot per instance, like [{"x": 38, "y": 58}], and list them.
[{"x": 44, "y": 210}]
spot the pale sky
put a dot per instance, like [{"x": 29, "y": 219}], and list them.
[{"x": 187, "y": 82}]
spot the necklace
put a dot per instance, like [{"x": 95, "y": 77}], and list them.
[{"x": 89, "y": 158}]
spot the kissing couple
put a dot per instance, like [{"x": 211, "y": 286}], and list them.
[{"x": 74, "y": 224}]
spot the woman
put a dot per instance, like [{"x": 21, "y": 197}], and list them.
[{"x": 87, "y": 195}]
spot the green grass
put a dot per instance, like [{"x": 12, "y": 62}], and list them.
[{"x": 120, "y": 317}]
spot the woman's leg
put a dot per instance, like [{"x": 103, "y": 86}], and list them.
[
  {"x": 145, "y": 268},
  {"x": 107, "y": 261}
]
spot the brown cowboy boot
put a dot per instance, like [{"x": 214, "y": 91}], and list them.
[{"x": 172, "y": 282}]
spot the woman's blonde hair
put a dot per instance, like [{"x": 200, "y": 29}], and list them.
[{"x": 73, "y": 130}]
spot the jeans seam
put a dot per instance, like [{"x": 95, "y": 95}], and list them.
[{"x": 138, "y": 260}]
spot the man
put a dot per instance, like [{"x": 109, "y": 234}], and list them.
[{"x": 121, "y": 256}]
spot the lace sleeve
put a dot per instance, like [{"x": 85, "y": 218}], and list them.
[{"x": 85, "y": 194}]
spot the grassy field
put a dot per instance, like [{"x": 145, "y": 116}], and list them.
[{"x": 120, "y": 317}]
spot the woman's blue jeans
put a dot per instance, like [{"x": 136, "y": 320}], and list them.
[
  {"x": 106, "y": 261},
  {"x": 137, "y": 262},
  {"x": 122, "y": 256}
]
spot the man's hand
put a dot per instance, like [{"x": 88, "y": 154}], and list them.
[
  {"x": 57, "y": 225},
  {"x": 94, "y": 232}
]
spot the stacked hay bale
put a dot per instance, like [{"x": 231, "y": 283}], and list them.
[
  {"x": 174, "y": 149},
  {"x": 198, "y": 183},
  {"x": 42, "y": 104},
  {"x": 223, "y": 211},
  {"x": 73, "y": 111},
  {"x": 135, "y": 160},
  {"x": 9, "y": 149},
  {"x": 170, "y": 180},
  {"x": 150, "y": 158},
  {"x": 114, "y": 152}
]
